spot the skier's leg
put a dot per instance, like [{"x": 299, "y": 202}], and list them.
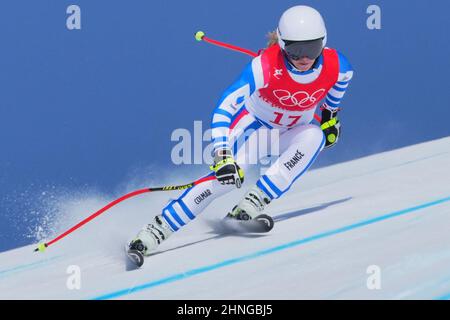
[
  {"x": 299, "y": 147},
  {"x": 179, "y": 212},
  {"x": 194, "y": 200}
]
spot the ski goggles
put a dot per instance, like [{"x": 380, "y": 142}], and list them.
[{"x": 296, "y": 50}]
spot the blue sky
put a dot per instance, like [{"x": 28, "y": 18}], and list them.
[{"x": 89, "y": 108}]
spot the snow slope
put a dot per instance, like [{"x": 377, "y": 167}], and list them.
[{"x": 390, "y": 210}]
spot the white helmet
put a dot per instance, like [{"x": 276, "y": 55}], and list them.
[{"x": 301, "y": 23}]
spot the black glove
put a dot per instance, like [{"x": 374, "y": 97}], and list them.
[
  {"x": 226, "y": 169},
  {"x": 330, "y": 126}
]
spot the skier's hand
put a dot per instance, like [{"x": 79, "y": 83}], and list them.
[
  {"x": 330, "y": 126},
  {"x": 226, "y": 169}
]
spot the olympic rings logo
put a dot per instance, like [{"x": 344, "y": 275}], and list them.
[{"x": 300, "y": 98}]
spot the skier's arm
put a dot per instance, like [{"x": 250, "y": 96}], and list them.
[
  {"x": 225, "y": 167},
  {"x": 232, "y": 101},
  {"x": 337, "y": 92},
  {"x": 330, "y": 123}
]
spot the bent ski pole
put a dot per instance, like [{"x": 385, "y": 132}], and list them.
[
  {"x": 41, "y": 247},
  {"x": 200, "y": 36}
]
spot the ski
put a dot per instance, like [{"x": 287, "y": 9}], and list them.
[
  {"x": 136, "y": 257},
  {"x": 260, "y": 224}
]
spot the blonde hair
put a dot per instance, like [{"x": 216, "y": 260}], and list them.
[{"x": 272, "y": 38}]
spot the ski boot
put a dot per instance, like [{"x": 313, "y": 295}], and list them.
[
  {"x": 148, "y": 239},
  {"x": 249, "y": 210},
  {"x": 253, "y": 203}
]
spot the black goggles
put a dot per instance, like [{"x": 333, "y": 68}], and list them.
[{"x": 296, "y": 50}]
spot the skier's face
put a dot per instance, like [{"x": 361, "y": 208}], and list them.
[
  {"x": 303, "y": 64},
  {"x": 302, "y": 54}
]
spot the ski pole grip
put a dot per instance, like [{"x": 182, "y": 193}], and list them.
[
  {"x": 41, "y": 247},
  {"x": 199, "y": 35}
]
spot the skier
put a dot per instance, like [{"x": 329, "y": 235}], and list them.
[{"x": 278, "y": 90}]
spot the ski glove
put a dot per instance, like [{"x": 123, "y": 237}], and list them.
[
  {"x": 226, "y": 169},
  {"x": 330, "y": 126}
]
